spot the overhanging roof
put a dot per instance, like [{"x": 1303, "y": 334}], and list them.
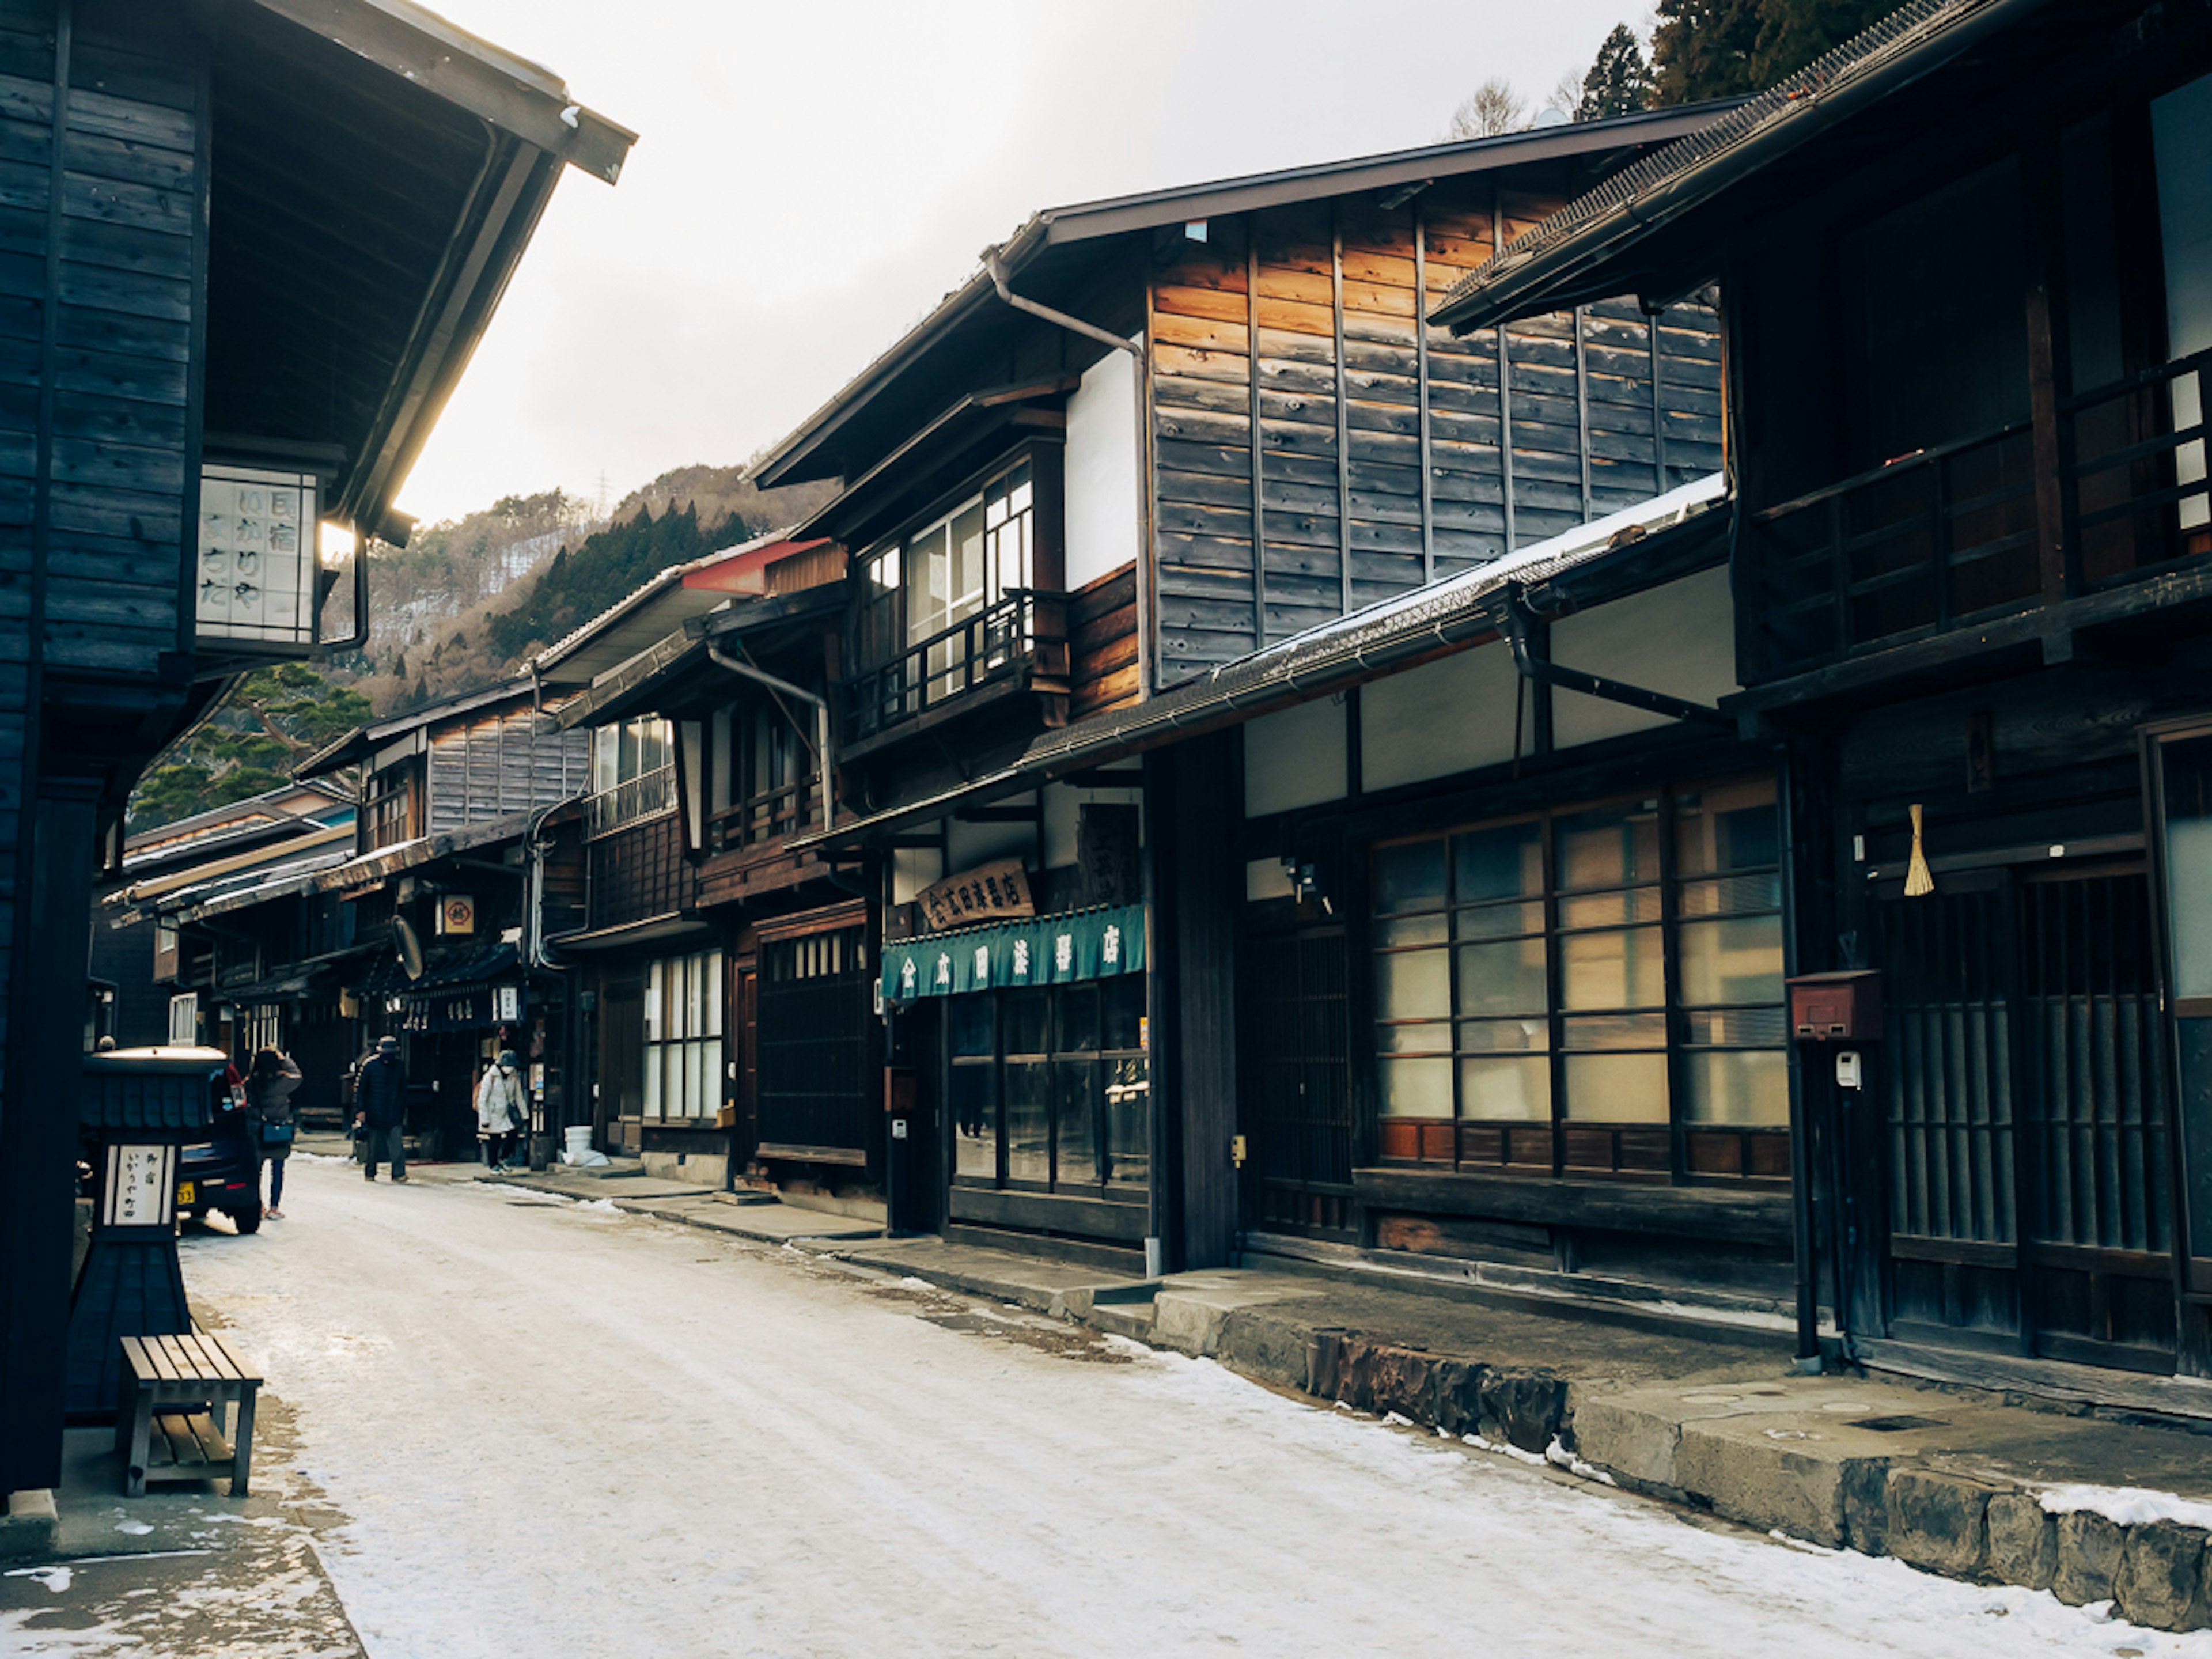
[
  {"x": 371, "y": 867},
  {"x": 1577, "y": 255},
  {"x": 1055, "y": 229},
  {"x": 375, "y": 175},
  {"x": 363, "y": 741},
  {"x": 634, "y": 688},
  {"x": 1459, "y": 611},
  {"x": 657, "y": 606}
]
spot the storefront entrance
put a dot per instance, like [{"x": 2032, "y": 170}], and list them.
[{"x": 2026, "y": 1115}]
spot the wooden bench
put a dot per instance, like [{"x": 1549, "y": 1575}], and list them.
[{"x": 197, "y": 1378}]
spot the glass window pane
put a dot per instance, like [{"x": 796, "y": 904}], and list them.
[
  {"x": 1412, "y": 985},
  {"x": 975, "y": 1117},
  {"x": 1727, "y": 826},
  {"x": 1128, "y": 1124},
  {"x": 927, "y": 584},
  {"x": 1501, "y": 1036},
  {"x": 1505, "y": 861},
  {"x": 1023, "y": 1015},
  {"x": 653, "y": 1079},
  {"x": 1417, "y": 1088},
  {"x": 1617, "y": 1088},
  {"x": 1409, "y": 878},
  {"x": 1411, "y": 930},
  {"x": 1078, "y": 1020},
  {"x": 967, "y": 597},
  {"x": 1615, "y": 1031},
  {"x": 714, "y": 1026},
  {"x": 1494, "y": 921},
  {"x": 1504, "y": 978},
  {"x": 1731, "y": 895},
  {"x": 2187, "y": 768},
  {"x": 1075, "y": 1125},
  {"x": 654, "y": 975},
  {"x": 971, "y": 1028},
  {"x": 1619, "y": 909},
  {"x": 1515, "y": 1090},
  {"x": 1425, "y": 1039},
  {"x": 1121, "y": 1012},
  {"x": 1747, "y": 1086},
  {"x": 1625, "y": 969},
  {"x": 1609, "y": 846},
  {"x": 1734, "y": 961},
  {"x": 1028, "y": 1116}
]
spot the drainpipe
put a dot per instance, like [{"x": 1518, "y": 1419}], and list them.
[
  {"x": 823, "y": 756},
  {"x": 994, "y": 264}
]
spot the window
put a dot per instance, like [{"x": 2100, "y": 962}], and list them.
[
  {"x": 684, "y": 1037},
  {"x": 1050, "y": 1088},
  {"x": 633, "y": 774},
  {"x": 764, "y": 785},
  {"x": 1616, "y": 965},
  {"x": 392, "y": 805},
  {"x": 943, "y": 607}
]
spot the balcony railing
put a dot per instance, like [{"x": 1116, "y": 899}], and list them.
[
  {"x": 997, "y": 643},
  {"x": 768, "y": 817},
  {"x": 1950, "y": 537},
  {"x": 633, "y": 800}
]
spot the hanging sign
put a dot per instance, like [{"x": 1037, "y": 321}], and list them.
[
  {"x": 457, "y": 913},
  {"x": 257, "y": 558},
  {"x": 1060, "y": 950},
  {"x": 989, "y": 890}
]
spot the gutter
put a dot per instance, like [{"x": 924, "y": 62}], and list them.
[
  {"x": 996, "y": 266},
  {"x": 1509, "y": 281}
]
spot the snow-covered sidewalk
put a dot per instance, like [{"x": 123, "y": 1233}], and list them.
[{"x": 558, "y": 1430}]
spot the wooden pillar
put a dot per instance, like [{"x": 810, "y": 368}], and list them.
[
  {"x": 1200, "y": 869},
  {"x": 38, "y": 1131}
]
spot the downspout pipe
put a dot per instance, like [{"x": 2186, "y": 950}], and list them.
[
  {"x": 1534, "y": 667},
  {"x": 823, "y": 758},
  {"x": 995, "y": 263}
]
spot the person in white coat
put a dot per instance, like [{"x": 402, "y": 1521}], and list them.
[{"x": 501, "y": 1113}]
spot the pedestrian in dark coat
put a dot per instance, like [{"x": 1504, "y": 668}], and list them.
[
  {"x": 380, "y": 1099},
  {"x": 270, "y": 1082}
]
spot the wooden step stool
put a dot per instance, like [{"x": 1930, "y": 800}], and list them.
[{"x": 197, "y": 1377}]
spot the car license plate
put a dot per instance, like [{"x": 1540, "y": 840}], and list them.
[{"x": 184, "y": 1191}]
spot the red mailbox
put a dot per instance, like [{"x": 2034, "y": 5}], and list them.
[{"x": 1841, "y": 1007}]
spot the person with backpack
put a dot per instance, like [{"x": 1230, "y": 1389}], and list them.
[
  {"x": 500, "y": 1112},
  {"x": 380, "y": 1099},
  {"x": 270, "y": 1082}
]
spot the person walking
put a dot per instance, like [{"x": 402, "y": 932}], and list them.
[
  {"x": 500, "y": 1112},
  {"x": 380, "y": 1098},
  {"x": 270, "y": 1082}
]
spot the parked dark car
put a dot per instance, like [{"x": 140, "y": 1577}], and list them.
[{"x": 222, "y": 1173}]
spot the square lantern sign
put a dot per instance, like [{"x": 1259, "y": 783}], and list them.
[{"x": 257, "y": 555}]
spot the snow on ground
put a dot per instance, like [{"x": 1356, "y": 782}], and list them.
[{"x": 554, "y": 1437}]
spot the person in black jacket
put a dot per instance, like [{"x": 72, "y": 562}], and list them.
[{"x": 380, "y": 1099}]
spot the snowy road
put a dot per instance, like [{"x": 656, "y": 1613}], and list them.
[{"x": 558, "y": 1430}]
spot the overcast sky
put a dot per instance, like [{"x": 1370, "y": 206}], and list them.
[{"x": 811, "y": 179}]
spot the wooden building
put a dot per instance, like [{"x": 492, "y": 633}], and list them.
[
  {"x": 1156, "y": 443},
  {"x": 251, "y": 244},
  {"x": 1967, "y": 311},
  {"x": 734, "y": 1031}
]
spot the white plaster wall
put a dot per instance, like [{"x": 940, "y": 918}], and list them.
[{"x": 1103, "y": 474}]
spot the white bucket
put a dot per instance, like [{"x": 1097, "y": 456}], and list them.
[{"x": 578, "y": 1137}]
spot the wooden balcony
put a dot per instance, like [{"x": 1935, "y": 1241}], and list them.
[
  {"x": 761, "y": 820},
  {"x": 1019, "y": 642},
  {"x": 2108, "y": 489}
]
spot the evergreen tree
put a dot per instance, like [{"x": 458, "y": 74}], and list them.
[
  {"x": 1731, "y": 48},
  {"x": 1702, "y": 49},
  {"x": 1619, "y": 82}
]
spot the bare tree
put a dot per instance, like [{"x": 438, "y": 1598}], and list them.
[
  {"x": 1491, "y": 108},
  {"x": 1566, "y": 94}
]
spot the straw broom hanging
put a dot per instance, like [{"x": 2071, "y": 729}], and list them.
[{"x": 1918, "y": 882}]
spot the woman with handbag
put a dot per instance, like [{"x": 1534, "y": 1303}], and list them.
[{"x": 269, "y": 1114}]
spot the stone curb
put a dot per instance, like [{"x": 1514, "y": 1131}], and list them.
[{"x": 30, "y": 1525}]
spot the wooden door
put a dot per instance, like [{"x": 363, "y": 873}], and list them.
[
  {"x": 744, "y": 1048},
  {"x": 2024, "y": 1123},
  {"x": 1294, "y": 1084}
]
